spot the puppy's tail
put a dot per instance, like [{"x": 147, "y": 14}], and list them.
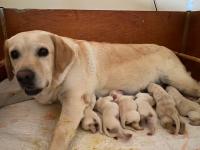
[{"x": 177, "y": 122}]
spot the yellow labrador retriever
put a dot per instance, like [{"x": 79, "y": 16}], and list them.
[{"x": 50, "y": 67}]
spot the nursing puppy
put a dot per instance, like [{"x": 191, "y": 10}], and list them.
[
  {"x": 50, "y": 67},
  {"x": 165, "y": 108},
  {"x": 110, "y": 118},
  {"x": 185, "y": 106},
  {"x": 147, "y": 113},
  {"x": 127, "y": 110},
  {"x": 91, "y": 121}
]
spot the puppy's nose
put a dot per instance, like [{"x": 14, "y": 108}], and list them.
[{"x": 25, "y": 77}]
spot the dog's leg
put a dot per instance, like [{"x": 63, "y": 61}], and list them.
[
  {"x": 70, "y": 117},
  {"x": 181, "y": 80}
]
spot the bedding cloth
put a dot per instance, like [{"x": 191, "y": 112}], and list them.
[{"x": 28, "y": 125}]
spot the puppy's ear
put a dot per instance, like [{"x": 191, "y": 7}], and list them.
[
  {"x": 63, "y": 55},
  {"x": 8, "y": 65}
]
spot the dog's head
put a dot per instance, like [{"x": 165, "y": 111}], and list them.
[{"x": 36, "y": 58}]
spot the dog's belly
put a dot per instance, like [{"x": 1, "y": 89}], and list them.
[
  {"x": 129, "y": 67},
  {"x": 129, "y": 83}
]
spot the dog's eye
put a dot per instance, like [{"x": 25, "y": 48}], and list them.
[
  {"x": 42, "y": 52},
  {"x": 15, "y": 54}
]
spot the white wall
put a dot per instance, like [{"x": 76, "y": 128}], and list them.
[
  {"x": 81, "y": 4},
  {"x": 166, "y": 5},
  {"x": 178, "y": 5}
]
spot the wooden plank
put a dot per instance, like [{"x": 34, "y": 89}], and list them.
[
  {"x": 193, "y": 43},
  {"x": 164, "y": 28},
  {"x": 1, "y": 42},
  {"x": 2, "y": 73}
]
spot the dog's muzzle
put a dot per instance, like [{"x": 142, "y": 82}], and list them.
[{"x": 26, "y": 79}]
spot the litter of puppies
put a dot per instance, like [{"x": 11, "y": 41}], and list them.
[{"x": 119, "y": 115}]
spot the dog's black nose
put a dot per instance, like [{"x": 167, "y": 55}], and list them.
[{"x": 26, "y": 77}]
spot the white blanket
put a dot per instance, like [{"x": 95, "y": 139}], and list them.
[{"x": 29, "y": 126}]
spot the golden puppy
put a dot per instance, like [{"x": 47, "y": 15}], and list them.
[
  {"x": 185, "y": 106},
  {"x": 50, "y": 67},
  {"x": 91, "y": 121},
  {"x": 147, "y": 113},
  {"x": 165, "y": 108},
  {"x": 110, "y": 118},
  {"x": 127, "y": 110}
]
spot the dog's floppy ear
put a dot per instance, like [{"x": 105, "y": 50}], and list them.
[
  {"x": 8, "y": 65},
  {"x": 63, "y": 55}
]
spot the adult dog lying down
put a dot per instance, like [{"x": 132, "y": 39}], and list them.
[{"x": 51, "y": 67}]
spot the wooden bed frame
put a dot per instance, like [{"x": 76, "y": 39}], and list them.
[{"x": 178, "y": 31}]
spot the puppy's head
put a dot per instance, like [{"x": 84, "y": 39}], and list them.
[
  {"x": 146, "y": 97},
  {"x": 102, "y": 102},
  {"x": 36, "y": 58},
  {"x": 151, "y": 87},
  {"x": 90, "y": 124}
]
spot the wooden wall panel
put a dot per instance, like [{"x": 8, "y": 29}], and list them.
[
  {"x": 164, "y": 28},
  {"x": 193, "y": 39},
  {"x": 2, "y": 69},
  {"x": 1, "y": 42},
  {"x": 2, "y": 73}
]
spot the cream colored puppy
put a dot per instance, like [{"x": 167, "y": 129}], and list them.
[
  {"x": 127, "y": 110},
  {"x": 147, "y": 113},
  {"x": 110, "y": 118},
  {"x": 91, "y": 121},
  {"x": 185, "y": 106},
  {"x": 165, "y": 108},
  {"x": 51, "y": 67}
]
